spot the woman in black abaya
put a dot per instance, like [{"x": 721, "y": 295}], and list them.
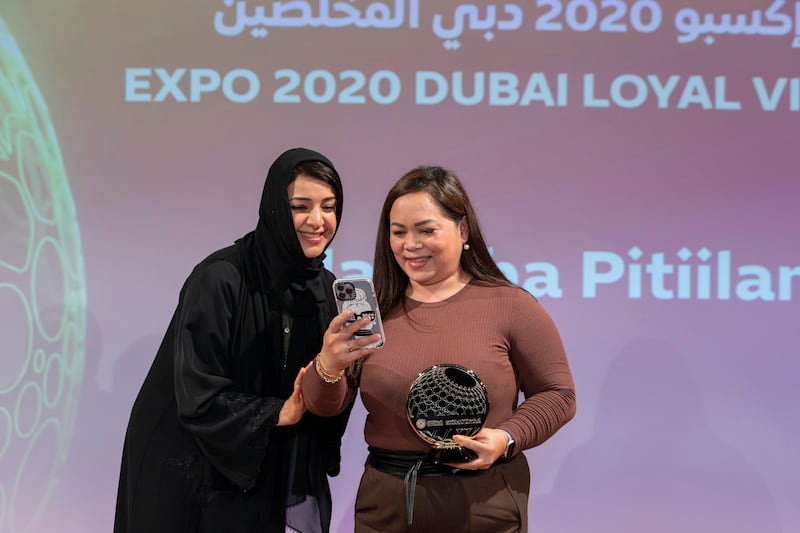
[{"x": 218, "y": 438}]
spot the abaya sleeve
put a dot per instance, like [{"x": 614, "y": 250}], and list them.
[{"x": 231, "y": 426}]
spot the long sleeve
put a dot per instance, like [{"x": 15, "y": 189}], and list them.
[
  {"x": 538, "y": 356},
  {"x": 230, "y": 425},
  {"x": 327, "y": 399}
]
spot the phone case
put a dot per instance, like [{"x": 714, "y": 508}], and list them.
[{"x": 358, "y": 294}]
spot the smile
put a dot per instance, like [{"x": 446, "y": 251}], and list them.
[
  {"x": 312, "y": 237},
  {"x": 417, "y": 261}
]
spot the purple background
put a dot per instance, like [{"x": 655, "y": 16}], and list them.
[{"x": 686, "y": 407}]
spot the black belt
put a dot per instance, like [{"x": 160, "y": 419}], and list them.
[{"x": 409, "y": 465}]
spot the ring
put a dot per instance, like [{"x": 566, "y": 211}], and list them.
[{"x": 349, "y": 348}]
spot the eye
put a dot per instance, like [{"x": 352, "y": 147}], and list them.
[
  {"x": 330, "y": 208},
  {"x": 398, "y": 233},
  {"x": 298, "y": 207},
  {"x": 427, "y": 231}
]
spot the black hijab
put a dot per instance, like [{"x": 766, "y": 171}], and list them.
[{"x": 294, "y": 278}]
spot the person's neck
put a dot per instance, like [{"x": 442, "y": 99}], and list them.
[{"x": 439, "y": 291}]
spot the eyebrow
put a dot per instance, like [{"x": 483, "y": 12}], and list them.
[
  {"x": 306, "y": 199},
  {"x": 416, "y": 224}
]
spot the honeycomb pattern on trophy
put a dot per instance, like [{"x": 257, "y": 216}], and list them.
[
  {"x": 42, "y": 298},
  {"x": 447, "y": 392}
]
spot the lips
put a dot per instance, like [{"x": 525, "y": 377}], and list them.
[
  {"x": 416, "y": 262},
  {"x": 311, "y": 237}
]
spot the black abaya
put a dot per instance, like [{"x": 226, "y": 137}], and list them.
[{"x": 202, "y": 451}]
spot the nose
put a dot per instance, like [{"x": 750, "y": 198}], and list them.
[
  {"x": 315, "y": 217},
  {"x": 412, "y": 244}
]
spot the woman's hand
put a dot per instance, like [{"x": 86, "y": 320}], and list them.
[
  {"x": 294, "y": 407},
  {"x": 489, "y": 444},
  {"x": 337, "y": 351}
]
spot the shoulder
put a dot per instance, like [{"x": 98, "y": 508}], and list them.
[
  {"x": 230, "y": 254},
  {"x": 220, "y": 268},
  {"x": 512, "y": 298},
  {"x": 328, "y": 277},
  {"x": 501, "y": 293}
]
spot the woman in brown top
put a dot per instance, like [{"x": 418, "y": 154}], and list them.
[{"x": 444, "y": 300}]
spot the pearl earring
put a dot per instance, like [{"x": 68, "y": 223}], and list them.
[{"x": 466, "y": 246}]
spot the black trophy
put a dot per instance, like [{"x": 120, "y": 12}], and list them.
[{"x": 443, "y": 401}]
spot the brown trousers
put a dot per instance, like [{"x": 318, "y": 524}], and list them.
[{"x": 490, "y": 501}]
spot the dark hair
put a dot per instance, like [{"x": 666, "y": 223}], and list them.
[
  {"x": 326, "y": 174},
  {"x": 447, "y": 191}
]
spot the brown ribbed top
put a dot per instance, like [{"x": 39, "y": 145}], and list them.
[{"x": 493, "y": 331}]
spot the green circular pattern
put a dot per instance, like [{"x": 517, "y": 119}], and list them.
[{"x": 42, "y": 298}]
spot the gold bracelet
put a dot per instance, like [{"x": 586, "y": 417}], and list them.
[{"x": 327, "y": 378}]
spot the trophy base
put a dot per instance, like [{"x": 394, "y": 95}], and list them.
[{"x": 451, "y": 454}]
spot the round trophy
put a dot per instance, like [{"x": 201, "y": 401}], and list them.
[{"x": 443, "y": 401}]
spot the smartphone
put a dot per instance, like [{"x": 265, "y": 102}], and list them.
[{"x": 358, "y": 294}]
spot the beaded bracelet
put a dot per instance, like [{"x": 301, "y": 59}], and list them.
[{"x": 327, "y": 378}]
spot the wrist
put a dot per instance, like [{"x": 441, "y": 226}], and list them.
[
  {"x": 511, "y": 445},
  {"x": 326, "y": 376}
]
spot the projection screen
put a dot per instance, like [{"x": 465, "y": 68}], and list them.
[{"x": 633, "y": 164}]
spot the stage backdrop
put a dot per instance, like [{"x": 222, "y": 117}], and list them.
[{"x": 633, "y": 163}]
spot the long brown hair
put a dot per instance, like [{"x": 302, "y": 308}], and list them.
[{"x": 447, "y": 191}]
